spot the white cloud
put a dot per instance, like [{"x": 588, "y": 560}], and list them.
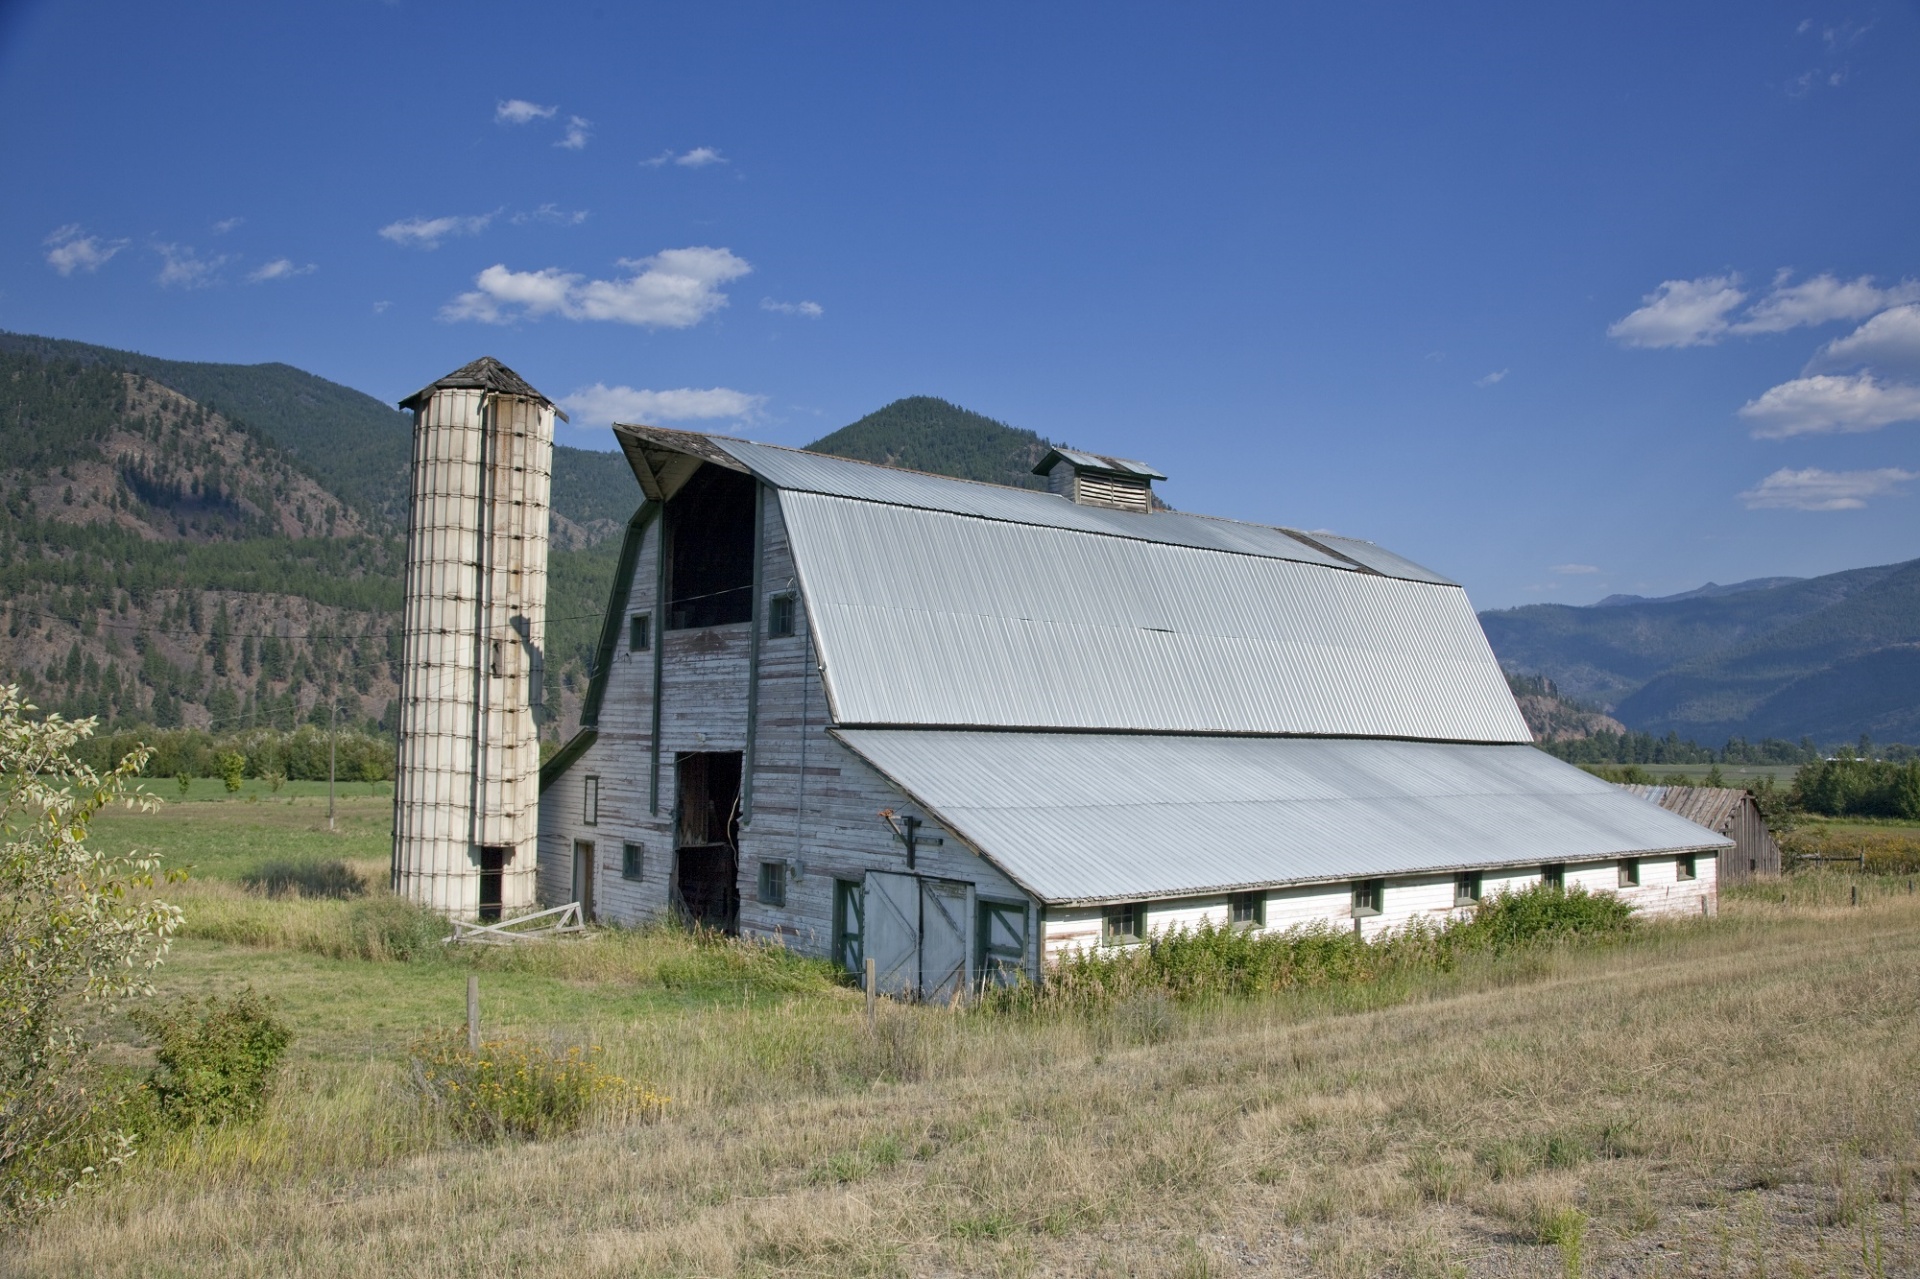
[
  {"x": 1574, "y": 568},
  {"x": 1825, "y": 403},
  {"x": 673, "y": 289},
  {"x": 1891, "y": 338},
  {"x": 225, "y": 225},
  {"x": 1817, "y": 490},
  {"x": 698, "y": 158},
  {"x": 379, "y": 308},
  {"x": 426, "y": 233},
  {"x": 279, "y": 269},
  {"x": 1821, "y": 300},
  {"x": 1492, "y": 379},
  {"x": 1681, "y": 313},
  {"x": 69, "y": 251},
  {"x": 811, "y": 310},
  {"x": 578, "y": 130},
  {"x": 182, "y": 267},
  {"x": 520, "y": 111},
  {"x": 599, "y": 404},
  {"x": 552, "y": 213}
]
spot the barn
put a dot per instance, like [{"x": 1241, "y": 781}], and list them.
[
  {"x": 1729, "y": 810},
  {"x": 961, "y": 728}
]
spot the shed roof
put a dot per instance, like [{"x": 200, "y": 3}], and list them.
[
  {"x": 1096, "y": 462},
  {"x": 483, "y": 374},
  {"x": 1088, "y": 817},
  {"x": 1711, "y": 806}
]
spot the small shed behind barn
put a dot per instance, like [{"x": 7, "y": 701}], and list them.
[{"x": 1730, "y": 811}]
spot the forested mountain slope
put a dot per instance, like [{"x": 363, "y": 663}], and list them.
[
  {"x": 1826, "y": 657},
  {"x": 922, "y": 433}
]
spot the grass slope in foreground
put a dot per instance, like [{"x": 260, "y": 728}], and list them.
[{"x": 1710, "y": 1097}]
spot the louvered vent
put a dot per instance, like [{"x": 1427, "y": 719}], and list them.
[{"x": 1116, "y": 483}]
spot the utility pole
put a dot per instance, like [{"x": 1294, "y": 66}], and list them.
[{"x": 333, "y": 729}]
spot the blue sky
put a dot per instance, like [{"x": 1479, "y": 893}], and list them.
[{"x": 1558, "y": 302}]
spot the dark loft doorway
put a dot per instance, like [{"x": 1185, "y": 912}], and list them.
[{"x": 706, "y": 860}]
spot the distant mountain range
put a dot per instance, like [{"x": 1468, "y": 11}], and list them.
[
  {"x": 1708, "y": 591},
  {"x": 1825, "y": 657}
]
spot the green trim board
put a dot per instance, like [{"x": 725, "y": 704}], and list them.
[{"x": 555, "y": 768}]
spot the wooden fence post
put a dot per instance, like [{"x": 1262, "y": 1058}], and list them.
[
  {"x": 473, "y": 1012},
  {"x": 873, "y": 992}
]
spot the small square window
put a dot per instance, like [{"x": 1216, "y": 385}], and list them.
[
  {"x": 1554, "y": 876},
  {"x": 1466, "y": 888},
  {"x": 639, "y": 632},
  {"x": 1368, "y": 894},
  {"x": 773, "y": 883},
  {"x": 1124, "y": 922},
  {"x": 590, "y": 803},
  {"x": 1247, "y": 910},
  {"x": 780, "y": 617},
  {"x": 632, "y": 861},
  {"x": 1629, "y": 872},
  {"x": 1684, "y": 868}
]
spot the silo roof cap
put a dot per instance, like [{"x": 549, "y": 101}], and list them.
[{"x": 484, "y": 374}]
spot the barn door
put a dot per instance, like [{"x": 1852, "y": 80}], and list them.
[
  {"x": 943, "y": 938},
  {"x": 893, "y": 931}
]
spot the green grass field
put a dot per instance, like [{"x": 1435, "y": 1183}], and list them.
[{"x": 1727, "y": 1096}]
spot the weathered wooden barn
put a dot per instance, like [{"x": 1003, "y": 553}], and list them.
[
  {"x": 961, "y": 727},
  {"x": 1730, "y": 811}
]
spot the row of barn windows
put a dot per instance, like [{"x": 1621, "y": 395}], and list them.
[
  {"x": 1127, "y": 921},
  {"x": 780, "y": 615}
]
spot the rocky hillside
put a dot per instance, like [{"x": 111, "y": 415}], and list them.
[{"x": 1556, "y": 718}]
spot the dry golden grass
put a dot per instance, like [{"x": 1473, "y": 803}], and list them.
[{"x": 1729, "y": 1097}]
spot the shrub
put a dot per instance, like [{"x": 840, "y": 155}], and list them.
[
  {"x": 514, "y": 1087},
  {"x": 387, "y": 927},
  {"x": 309, "y": 877},
  {"x": 76, "y": 927},
  {"x": 217, "y": 1059},
  {"x": 233, "y": 767},
  {"x": 1541, "y": 914}
]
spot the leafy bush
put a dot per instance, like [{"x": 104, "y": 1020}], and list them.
[
  {"x": 308, "y": 877},
  {"x": 1540, "y": 914},
  {"x": 514, "y": 1087},
  {"x": 1847, "y": 786},
  {"x": 387, "y": 927},
  {"x": 233, "y": 767},
  {"x": 77, "y": 926},
  {"x": 217, "y": 1059}
]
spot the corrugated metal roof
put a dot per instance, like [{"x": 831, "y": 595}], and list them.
[
  {"x": 483, "y": 374},
  {"x": 1083, "y": 817},
  {"x": 1096, "y": 462},
  {"x": 1709, "y": 806},
  {"x": 924, "y": 617},
  {"x": 797, "y": 471}
]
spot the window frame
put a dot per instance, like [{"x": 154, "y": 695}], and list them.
[
  {"x": 1123, "y": 923},
  {"x": 1000, "y": 965},
  {"x": 640, "y": 632},
  {"x": 590, "y": 800},
  {"x": 1686, "y": 868},
  {"x": 633, "y": 859},
  {"x": 1629, "y": 872},
  {"x": 783, "y": 615},
  {"x": 1554, "y": 875},
  {"x": 1469, "y": 888},
  {"x": 1253, "y": 905},
  {"x": 771, "y": 888},
  {"x": 1368, "y": 898}
]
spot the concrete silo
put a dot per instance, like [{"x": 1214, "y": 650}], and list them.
[{"x": 467, "y": 776}]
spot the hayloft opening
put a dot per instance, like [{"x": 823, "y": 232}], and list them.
[
  {"x": 710, "y": 550},
  {"x": 706, "y": 860}
]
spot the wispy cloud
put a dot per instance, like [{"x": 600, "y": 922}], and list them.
[
  {"x": 1681, "y": 313},
  {"x": 182, "y": 267},
  {"x": 520, "y": 111},
  {"x": 225, "y": 225},
  {"x": 1827, "y": 404},
  {"x": 1821, "y": 300},
  {"x": 1890, "y": 339},
  {"x": 578, "y": 130},
  {"x": 1492, "y": 379},
  {"x": 599, "y": 405},
  {"x": 1817, "y": 490},
  {"x": 70, "y": 249},
  {"x": 673, "y": 289},
  {"x": 811, "y": 310},
  {"x": 279, "y": 269},
  {"x": 380, "y": 307},
  {"x": 698, "y": 158},
  {"x": 550, "y": 213},
  {"x": 426, "y": 233},
  {"x": 1574, "y": 568}
]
